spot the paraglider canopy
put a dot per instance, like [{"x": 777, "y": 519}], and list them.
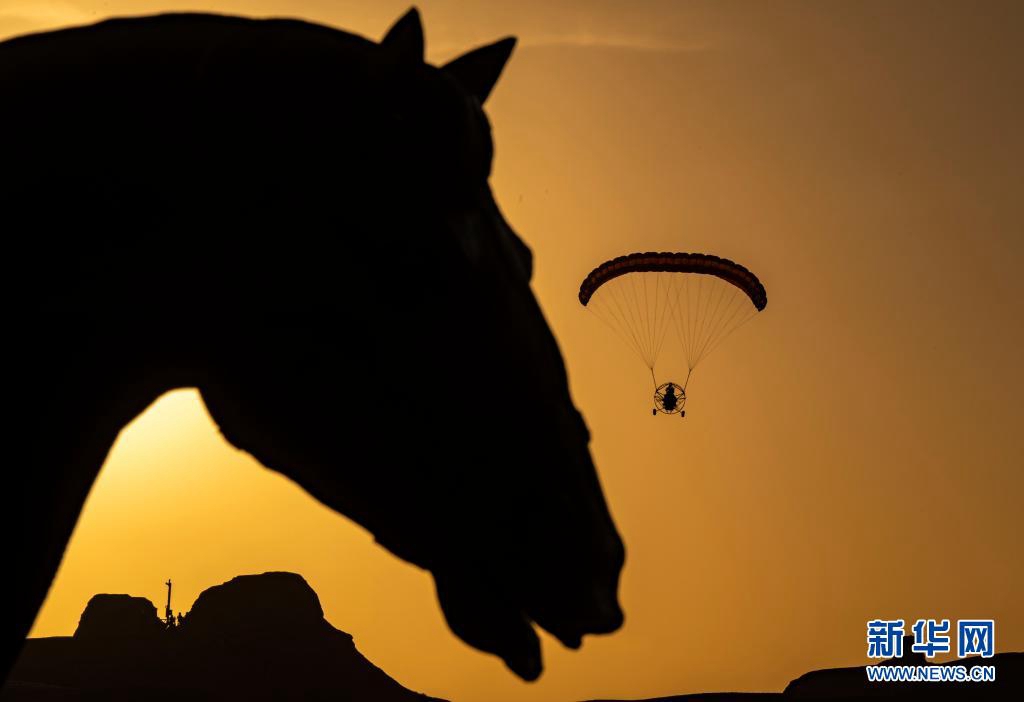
[
  {"x": 697, "y": 263},
  {"x": 703, "y": 298}
]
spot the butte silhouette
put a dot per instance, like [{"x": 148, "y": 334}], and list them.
[{"x": 253, "y": 637}]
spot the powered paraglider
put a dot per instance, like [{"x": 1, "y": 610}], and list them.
[{"x": 703, "y": 298}]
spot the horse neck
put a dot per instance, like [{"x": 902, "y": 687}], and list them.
[{"x": 91, "y": 363}]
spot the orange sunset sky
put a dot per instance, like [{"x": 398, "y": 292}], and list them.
[{"x": 853, "y": 452}]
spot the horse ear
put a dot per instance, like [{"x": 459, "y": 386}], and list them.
[
  {"x": 404, "y": 41},
  {"x": 478, "y": 70}
]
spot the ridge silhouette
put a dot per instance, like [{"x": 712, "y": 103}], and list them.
[
  {"x": 265, "y": 637},
  {"x": 852, "y": 683},
  {"x": 287, "y": 216},
  {"x": 253, "y": 637}
]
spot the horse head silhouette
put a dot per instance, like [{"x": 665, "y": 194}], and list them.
[{"x": 297, "y": 222}]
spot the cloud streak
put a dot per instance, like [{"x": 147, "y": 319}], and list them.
[
  {"x": 584, "y": 40},
  {"x": 587, "y": 40}
]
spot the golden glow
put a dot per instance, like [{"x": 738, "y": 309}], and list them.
[{"x": 853, "y": 452}]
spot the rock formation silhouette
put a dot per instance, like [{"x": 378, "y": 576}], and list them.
[
  {"x": 852, "y": 684},
  {"x": 287, "y": 216},
  {"x": 119, "y": 617},
  {"x": 264, "y": 637},
  {"x": 260, "y": 637}
]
